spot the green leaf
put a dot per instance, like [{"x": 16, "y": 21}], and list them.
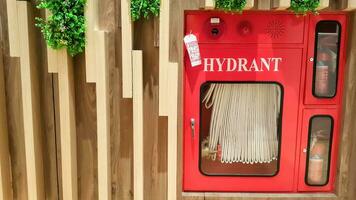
[
  {"x": 230, "y": 5},
  {"x": 304, "y": 6},
  {"x": 65, "y": 28},
  {"x": 144, "y": 9}
]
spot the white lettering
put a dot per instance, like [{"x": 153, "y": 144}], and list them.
[
  {"x": 242, "y": 64},
  {"x": 220, "y": 64},
  {"x": 206, "y": 64},
  {"x": 254, "y": 66},
  {"x": 229, "y": 62},
  {"x": 276, "y": 63},
  {"x": 265, "y": 63}
]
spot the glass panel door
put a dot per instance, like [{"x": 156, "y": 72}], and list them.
[
  {"x": 319, "y": 148},
  {"x": 240, "y": 129},
  {"x": 326, "y": 59}
]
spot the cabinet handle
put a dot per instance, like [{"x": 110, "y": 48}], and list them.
[{"x": 192, "y": 126}]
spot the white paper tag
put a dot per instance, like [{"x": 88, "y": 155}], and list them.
[{"x": 192, "y": 45}]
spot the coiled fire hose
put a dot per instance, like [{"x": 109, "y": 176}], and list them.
[{"x": 244, "y": 121}]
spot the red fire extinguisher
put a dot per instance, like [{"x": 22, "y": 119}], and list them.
[{"x": 322, "y": 74}]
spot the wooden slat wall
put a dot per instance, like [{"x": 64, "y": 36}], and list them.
[
  {"x": 30, "y": 103},
  {"x": 97, "y": 72},
  {"x": 109, "y": 164},
  {"x": 13, "y": 28},
  {"x": 280, "y": 4},
  {"x": 126, "y": 49},
  {"x": 61, "y": 63},
  {"x": 347, "y": 176},
  {"x": 323, "y": 4},
  {"x": 138, "y": 123},
  {"x": 5, "y": 165}
]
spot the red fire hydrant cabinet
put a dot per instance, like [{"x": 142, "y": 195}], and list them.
[{"x": 262, "y": 105}]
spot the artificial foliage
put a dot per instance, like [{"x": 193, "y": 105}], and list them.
[
  {"x": 65, "y": 26},
  {"x": 304, "y": 6},
  {"x": 230, "y": 5},
  {"x": 144, "y": 9}
]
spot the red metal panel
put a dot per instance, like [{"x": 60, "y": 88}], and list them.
[{"x": 249, "y": 27}]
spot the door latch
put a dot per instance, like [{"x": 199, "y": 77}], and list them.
[{"x": 192, "y": 126}]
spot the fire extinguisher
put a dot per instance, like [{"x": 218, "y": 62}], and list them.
[{"x": 322, "y": 74}]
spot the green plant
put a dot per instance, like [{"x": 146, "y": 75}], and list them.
[
  {"x": 304, "y": 6},
  {"x": 144, "y": 8},
  {"x": 230, "y": 5},
  {"x": 65, "y": 27}
]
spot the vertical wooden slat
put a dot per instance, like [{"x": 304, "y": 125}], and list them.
[
  {"x": 137, "y": 123},
  {"x": 90, "y": 51},
  {"x": 13, "y": 28},
  {"x": 346, "y": 185},
  {"x": 60, "y": 62},
  {"x": 323, "y": 4},
  {"x": 103, "y": 115},
  {"x": 30, "y": 104},
  {"x": 350, "y": 5},
  {"x": 249, "y": 4},
  {"x": 97, "y": 72},
  {"x": 264, "y": 4},
  {"x": 52, "y": 57},
  {"x": 168, "y": 94},
  {"x": 67, "y": 124},
  {"x": 280, "y": 4},
  {"x": 5, "y": 171},
  {"x": 52, "y": 60},
  {"x": 209, "y": 4},
  {"x": 163, "y": 57},
  {"x": 172, "y": 131},
  {"x": 126, "y": 46}
]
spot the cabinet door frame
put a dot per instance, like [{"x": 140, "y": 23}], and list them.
[
  {"x": 309, "y": 97},
  {"x": 308, "y": 115}
]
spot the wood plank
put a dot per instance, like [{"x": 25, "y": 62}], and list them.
[
  {"x": 163, "y": 57},
  {"x": 5, "y": 165},
  {"x": 52, "y": 56},
  {"x": 50, "y": 135},
  {"x": 120, "y": 122},
  {"x": 126, "y": 48},
  {"x": 348, "y": 5},
  {"x": 30, "y": 104},
  {"x": 249, "y": 4},
  {"x": 13, "y": 28},
  {"x": 103, "y": 116},
  {"x": 15, "y": 127},
  {"x": 67, "y": 125},
  {"x": 155, "y": 127},
  {"x": 86, "y": 127},
  {"x": 346, "y": 186},
  {"x": 209, "y": 4},
  {"x": 176, "y": 55},
  {"x": 138, "y": 123},
  {"x": 323, "y": 4},
  {"x": 280, "y": 4},
  {"x": 91, "y": 14},
  {"x": 264, "y": 4},
  {"x": 97, "y": 72},
  {"x": 172, "y": 131},
  {"x": 52, "y": 60}
]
